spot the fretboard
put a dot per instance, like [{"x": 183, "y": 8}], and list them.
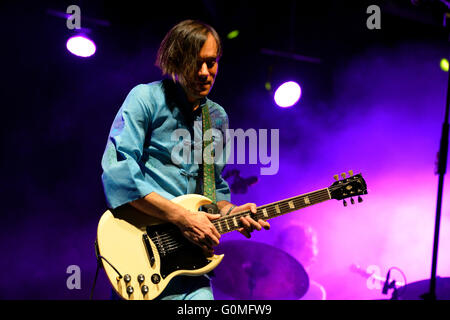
[{"x": 272, "y": 210}]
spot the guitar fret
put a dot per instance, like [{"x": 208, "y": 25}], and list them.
[
  {"x": 291, "y": 204},
  {"x": 302, "y": 201},
  {"x": 269, "y": 211},
  {"x": 277, "y": 209},
  {"x": 307, "y": 200}
]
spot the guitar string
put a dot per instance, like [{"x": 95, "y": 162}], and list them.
[
  {"x": 168, "y": 240},
  {"x": 271, "y": 211},
  {"x": 169, "y": 243},
  {"x": 222, "y": 222}
]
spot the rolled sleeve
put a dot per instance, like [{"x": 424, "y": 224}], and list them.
[{"x": 123, "y": 177}]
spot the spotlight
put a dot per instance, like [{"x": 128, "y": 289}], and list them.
[
  {"x": 233, "y": 34},
  {"x": 287, "y": 94},
  {"x": 444, "y": 65},
  {"x": 81, "y": 46}
]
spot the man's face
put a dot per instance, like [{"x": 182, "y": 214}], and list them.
[{"x": 199, "y": 84}]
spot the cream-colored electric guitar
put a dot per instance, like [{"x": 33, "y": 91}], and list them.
[{"x": 143, "y": 254}]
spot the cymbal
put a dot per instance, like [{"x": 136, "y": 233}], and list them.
[
  {"x": 414, "y": 290},
  {"x": 256, "y": 271}
]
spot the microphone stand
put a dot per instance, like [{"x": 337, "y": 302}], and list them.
[
  {"x": 441, "y": 169},
  {"x": 394, "y": 295}
]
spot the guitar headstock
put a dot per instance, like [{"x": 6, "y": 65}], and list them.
[{"x": 349, "y": 187}]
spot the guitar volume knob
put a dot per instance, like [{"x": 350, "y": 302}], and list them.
[
  {"x": 127, "y": 278},
  {"x": 144, "y": 290},
  {"x": 130, "y": 290},
  {"x": 140, "y": 278}
]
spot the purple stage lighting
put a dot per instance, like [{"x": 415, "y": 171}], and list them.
[
  {"x": 287, "y": 94},
  {"x": 81, "y": 46}
]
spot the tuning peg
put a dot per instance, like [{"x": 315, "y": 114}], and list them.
[
  {"x": 336, "y": 177},
  {"x": 343, "y": 175},
  {"x": 360, "y": 199},
  {"x": 350, "y": 172},
  {"x": 345, "y": 203},
  {"x": 352, "y": 201}
]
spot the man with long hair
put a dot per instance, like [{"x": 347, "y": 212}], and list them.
[{"x": 138, "y": 167}]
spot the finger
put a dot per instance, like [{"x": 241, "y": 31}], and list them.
[
  {"x": 199, "y": 241},
  {"x": 245, "y": 233},
  {"x": 250, "y": 205},
  {"x": 215, "y": 232},
  {"x": 205, "y": 243},
  {"x": 212, "y": 216},
  {"x": 254, "y": 224},
  {"x": 211, "y": 239},
  {"x": 246, "y": 223},
  {"x": 264, "y": 224},
  {"x": 207, "y": 250}
]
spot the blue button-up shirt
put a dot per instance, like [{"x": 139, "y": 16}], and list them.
[{"x": 138, "y": 158}]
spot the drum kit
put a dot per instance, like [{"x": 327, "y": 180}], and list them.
[
  {"x": 416, "y": 290},
  {"x": 258, "y": 271}
]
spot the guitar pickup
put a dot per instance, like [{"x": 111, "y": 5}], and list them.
[{"x": 148, "y": 247}]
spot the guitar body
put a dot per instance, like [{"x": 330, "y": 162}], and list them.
[{"x": 137, "y": 245}]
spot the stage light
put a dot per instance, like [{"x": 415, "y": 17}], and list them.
[
  {"x": 444, "y": 65},
  {"x": 81, "y": 46},
  {"x": 287, "y": 94},
  {"x": 233, "y": 34}
]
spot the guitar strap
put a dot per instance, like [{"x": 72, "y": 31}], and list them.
[{"x": 209, "y": 181}]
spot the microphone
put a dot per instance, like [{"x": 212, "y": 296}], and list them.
[{"x": 386, "y": 283}]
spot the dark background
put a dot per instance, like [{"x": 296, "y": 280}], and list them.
[{"x": 57, "y": 108}]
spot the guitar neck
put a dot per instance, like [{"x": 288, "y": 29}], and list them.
[{"x": 232, "y": 222}]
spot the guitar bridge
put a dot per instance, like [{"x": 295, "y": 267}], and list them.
[{"x": 148, "y": 247}]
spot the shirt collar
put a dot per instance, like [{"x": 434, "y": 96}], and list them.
[{"x": 182, "y": 98}]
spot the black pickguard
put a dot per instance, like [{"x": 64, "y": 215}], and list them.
[{"x": 175, "y": 251}]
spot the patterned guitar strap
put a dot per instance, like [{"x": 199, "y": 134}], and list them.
[{"x": 209, "y": 182}]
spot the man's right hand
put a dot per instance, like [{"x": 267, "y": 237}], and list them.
[
  {"x": 198, "y": 228},
  {"x": 195, "y": 226}
]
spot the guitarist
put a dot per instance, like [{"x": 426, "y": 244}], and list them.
[{"x": 138, "y": 168}]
